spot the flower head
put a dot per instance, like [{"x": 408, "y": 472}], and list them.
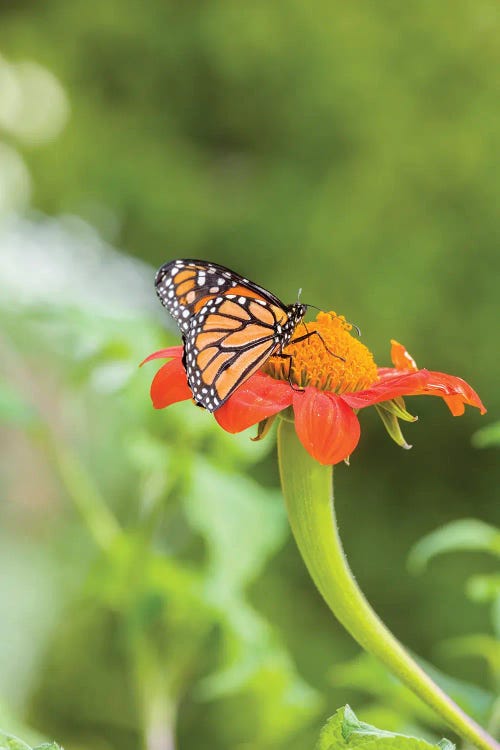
[{"x": 330, "y": 376}]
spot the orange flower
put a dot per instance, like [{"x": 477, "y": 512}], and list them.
[{"x": 327, "y": 390}]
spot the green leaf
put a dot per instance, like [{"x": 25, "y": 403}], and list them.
[
  {"x": 9, "y": 742},
  {"x": 345, "y": 729},
  {"x": 242, "y": 523},
  {"x": 487, "y": 437},
  {"x": 483, "y": 588},
  {"x": 465, "y": 534},
  {"x": 8, "y": 719}
]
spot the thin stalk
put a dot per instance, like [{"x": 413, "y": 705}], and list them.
[
  {"x": 86, "y": 497},
  {"x": 157, "y": 708},
  {"x": 308, "y": 491},
  {"x": 159, "y": 733}
]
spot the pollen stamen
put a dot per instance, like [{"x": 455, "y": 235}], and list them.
[{"x": 314, "y": 363}]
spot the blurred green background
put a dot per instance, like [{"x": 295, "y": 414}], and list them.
[{"x": 151, "y": 594}]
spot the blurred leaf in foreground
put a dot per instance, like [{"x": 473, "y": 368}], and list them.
[
  {"x": 243, "y": 524},
  {"x": 465, "y": 534},
  {"x": 9, "y": 742},
  {"x": 487, "y": 437},
  {"x": 14, "y": 410},
  {"x": 344, "y": 729}
]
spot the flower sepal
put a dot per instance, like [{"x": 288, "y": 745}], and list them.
[
  {"x": 390, "y": 413},
  {"x": 263, "y": 428},
  {"x": 397, "y": 407}
]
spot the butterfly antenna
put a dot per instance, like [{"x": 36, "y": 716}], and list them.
[
  {"x": 313, "y": 306},
  {"x": 356, "y": 328}
]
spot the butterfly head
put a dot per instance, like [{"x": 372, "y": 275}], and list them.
[
  {"x": 298, "y": 312},
  {"x": 295, "y": 314}
]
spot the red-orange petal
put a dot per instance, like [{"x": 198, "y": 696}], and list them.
[
  {"x": 170, "y": 385},
  {"x": 259, "y": 397},
  {"x": 454, "y": 391},
  {"x": 326, "y": 426},
  {"x": 392, "y": 384},
  {"x": 172, "y": 351},
  {"x": 400, "y": 357}
]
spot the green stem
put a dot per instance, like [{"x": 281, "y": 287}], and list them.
[
  {"x": 159, "y": 716},
  {"x": 92, "y": 507},
  {"x": 158, "y": 709},
  {"x": 308, "y": 491}
]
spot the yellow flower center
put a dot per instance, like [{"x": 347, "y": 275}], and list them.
[{"x": 332, "y": 361}]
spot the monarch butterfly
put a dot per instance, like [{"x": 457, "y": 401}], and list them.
[{"x": 230, "y": 326}]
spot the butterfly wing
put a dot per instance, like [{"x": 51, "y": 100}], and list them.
[
  {"x": 185, "y": 286},
  {"x": 230, "y": 337},
  {"x": 230, "y": 325}
]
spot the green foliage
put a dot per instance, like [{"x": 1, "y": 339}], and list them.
[
  {"x": 9, "y": 742},
  {"x": 397, "y": 707},
  {"x": 487, "y": 437},
  {"x": 344, "y": 729},
  {"x": 466, "y": 534},
  {"x": 13, "y": 409}
]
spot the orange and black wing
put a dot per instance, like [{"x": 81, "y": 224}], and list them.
[
  {"x": 230, "y": 337},
  {"x": 185, "y": 286}
]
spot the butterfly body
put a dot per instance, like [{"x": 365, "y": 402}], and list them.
[{"x": 230, "y": 325}]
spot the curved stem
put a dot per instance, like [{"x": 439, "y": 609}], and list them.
[{"x": 308, "y": 491}]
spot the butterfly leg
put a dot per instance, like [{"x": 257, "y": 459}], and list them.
[
  {"x": 289, "y": 374},
  {"x": 317, "y": 333},
  {"x": 183, "y": 360}
]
